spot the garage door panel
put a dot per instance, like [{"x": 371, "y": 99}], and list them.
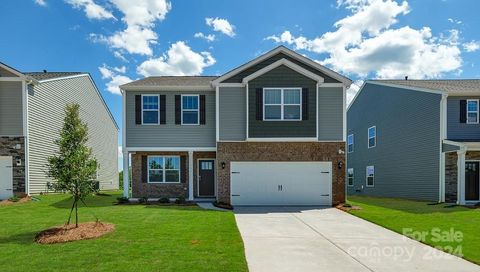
[{"x": 281, "y": 183}]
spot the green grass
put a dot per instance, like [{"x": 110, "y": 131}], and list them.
[
  {"x": 146, "y": 238},
  {"x": 398, "y": 215}
]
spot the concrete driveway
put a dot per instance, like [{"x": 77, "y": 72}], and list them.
[{"x": 327, "y": 239}]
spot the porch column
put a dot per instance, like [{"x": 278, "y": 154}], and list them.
[
  {"x": 461, "y": 177},
  {"x": 190, "y": 175},
  {"x": 126, "y": 174}
]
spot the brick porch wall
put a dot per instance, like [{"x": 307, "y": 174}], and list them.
[
  {"x": 8, "y": 147},
  {"x": 451, "y": 173},
  {"x": 281, "y": 151}
]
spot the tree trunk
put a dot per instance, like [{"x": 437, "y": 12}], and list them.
[{"x": 76, "y": 213}]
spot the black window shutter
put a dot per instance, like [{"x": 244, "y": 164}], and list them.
[
  {"x": 259, "y": 103},
  {"x": 163, "y": 119},
  {"x": 144, "y": 169},
  {"x": 463, "y": 111},
  {"x": 138, "y": 109},
  {"x": 178, "y": 109},
  {"x": 304, "y": 103},
  {"x": 202, "y": 109}
]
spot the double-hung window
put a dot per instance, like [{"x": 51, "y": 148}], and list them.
[
  {"x": 350, "y": 177},
  {"x": 350, "y": 143},
  {"x": 150, "y": 109},
  {"x": 472, "y": 111},
  {"x": 372, "y": 137},
  {"x": 190, "y": 110},
  {"x": 282, "y": 104},
  {"x": 370, "y": 176},
  {"x": 163, "y": 169}
]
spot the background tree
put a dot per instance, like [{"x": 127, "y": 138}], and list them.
[{"x": 72, "y": 167}]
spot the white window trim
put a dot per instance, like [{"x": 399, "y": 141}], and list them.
[
  {"x": 164, "y": 170},
  {"x": 475, "y": 100},
  {"x": 190, "y": 110},
  {"x": 157, "y": 110},
  {"x": 282, "y": 104},
  {"x": 374, "y": 137},
  {"x": 348, "y": 178},
  {"x": 366, "y": 176},
  {"x": 353, "y": 143}
]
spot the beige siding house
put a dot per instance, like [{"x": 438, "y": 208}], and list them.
[{"x": 31, "y": 116}]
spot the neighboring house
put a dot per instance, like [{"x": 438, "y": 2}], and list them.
[
  {"x": 270, "y": 132},
  {"x": 31, "y": 117},
  {"x": 416, "y": 139}
]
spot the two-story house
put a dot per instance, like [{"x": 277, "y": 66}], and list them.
[
  {"x": 416, "y": 139},
  {"x": 269, "y": 132},
  {"x": 31, "y": 117}
]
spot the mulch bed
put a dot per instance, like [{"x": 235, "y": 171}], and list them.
[
  {"x": 68, "y": 233},
  {"x": 9, "y": 202},
  {"x": 348, "y": 208}
]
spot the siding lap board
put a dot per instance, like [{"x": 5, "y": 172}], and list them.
[
  {"x": 232, "y": 113},
  {"x": 406, "y": 157},
  {"x": 455, "y": 129},
  {"x": 330, "y": 114},
  {"x": 11, "y": 110}
]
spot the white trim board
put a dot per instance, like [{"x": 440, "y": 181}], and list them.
[{"x": 12, "y": 70}]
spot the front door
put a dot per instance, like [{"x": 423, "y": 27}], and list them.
[
  {"x": 206, "y": 177},
  {"x": 472, "y": 180},
  {"x": 6, "y": 177}
]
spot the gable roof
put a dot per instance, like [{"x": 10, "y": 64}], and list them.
[
  {"x": 163, "y": 81},
  {"x": 286, "y": 63},
  {"x": 11, "y": 69},
  {"x": 282, "y": 49},
  {"x": 51, "y": 75},
  {"x": 450, "y": 86}
]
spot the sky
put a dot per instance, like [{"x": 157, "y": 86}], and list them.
[{"x": 117, "y": 41}]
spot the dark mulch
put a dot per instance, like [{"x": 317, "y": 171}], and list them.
[
  {"x": 20, "y": 200},
  {"x": 347, "y": 208},
  {"x": 68, "y": 233}
]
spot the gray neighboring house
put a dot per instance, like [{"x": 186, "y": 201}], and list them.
[
  {"x": 31, "y": 116},
  {"x": 415, "y": 139},
  {"x": 269, "y": 132}
]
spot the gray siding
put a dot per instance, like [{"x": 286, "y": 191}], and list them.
[
  {"x": 406, "y": 158},
  {"x": 170, "y": 134},
  {"x": 455, "y": 129},
  {"x": 449, "y": 148},
  {"x": 11, "y": 115},
  {"x": 6, "y": 73},
  {"x": 239, "y": 77},
  {"x": 281, "y": 76},
  {"x": 232, "y": 113},
  {"x": 330, "y": 114},
  {"x": 46, "y": 112}
]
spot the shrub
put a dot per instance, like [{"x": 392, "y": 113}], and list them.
[
  {"x": 14, "y": 198},
  {"x": 122, "y": 200},
  {"x": 143, "y": 200},
  {"x": 164, "y": 200},
  {"x": 180, "y": 200}
]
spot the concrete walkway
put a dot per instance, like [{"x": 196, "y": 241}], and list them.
[{"x": 327, "y": 239}]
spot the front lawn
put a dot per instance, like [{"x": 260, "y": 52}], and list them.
[
  {"x": 146, "y": 238},
  {"x": 437, "y": 222}
]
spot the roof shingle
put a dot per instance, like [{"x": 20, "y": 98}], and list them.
[
  {"x": 51, "y": 75},
  {"x": 451, "y": 86},
  {"x": 201, "y": 81}
]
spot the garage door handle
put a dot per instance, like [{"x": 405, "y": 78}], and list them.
[
  {"x": 8, "y": 189},
  {"x": 9, "y": 166},
  {"x": 235, "y": 172},
  {"x": 326, "y": 195},
  {"x": 235, "y": 195},
  {"x": 325, "y": 172}
]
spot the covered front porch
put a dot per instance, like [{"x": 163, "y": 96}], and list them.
[{"x": 462, "y": 172}]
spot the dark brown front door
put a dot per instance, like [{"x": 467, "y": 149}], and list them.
[
  {"x": 472, "y": 180},
  {"x": 206, "y": 177}
]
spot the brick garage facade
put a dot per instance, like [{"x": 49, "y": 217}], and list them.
[
  {"x": 15, "y": 147},
  {"x": 280, "y": 151},
  {"x": 451, "y": 173}
]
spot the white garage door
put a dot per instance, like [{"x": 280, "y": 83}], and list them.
[
  {"x": 281, "y": 183},
  {"x": 6, "y": 180}
]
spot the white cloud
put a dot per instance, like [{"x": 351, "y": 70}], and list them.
[
  {"x": 365, "y": 43},
  {"x": 453, "y": 21},
  {"x": 119, "y": 56},
  {"x": 120, "y": 152},
  {"x": 40, "y": 2},
  {"x": 179, "y": 60},
  {"x": 115, "y": 78},
  {"x": 352, "y": 91},
  {"x": 471, "y": 46},
  {"x": 221, "y": 25},
  {"x": 91, "y": 9},
  {"x": 208, "y": 38}
]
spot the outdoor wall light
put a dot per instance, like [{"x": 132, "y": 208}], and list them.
[
  {"x": 340, "y": 165},
  {"x": 223, "y": 165}
]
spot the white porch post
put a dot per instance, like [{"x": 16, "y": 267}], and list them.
[
  {"x": 126, "y": 174},
  {"x": 461, "y": 177},
  {"x": 190, "y": 175}
]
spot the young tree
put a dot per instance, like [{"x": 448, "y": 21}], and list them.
[{"x": 73, "y": 168}]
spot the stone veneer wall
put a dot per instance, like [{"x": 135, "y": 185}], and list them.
[
  {"x": 196, "y": 156},
  {"x": 280, "y": 151},
  {"x": 451, "y": 173},
  {"x": 8, "y": 148}
]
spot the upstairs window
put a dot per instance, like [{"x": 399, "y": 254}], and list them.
[
  {"x": 370, "y": 176},
  {"x": 163, "y": 169},
  {"x": 190, "y": 110},
  {"x": 472, "y": 111},
  {"x": 350, "y": 143},
  {"x": 150, "y": 109},
  {"x": 350, "y": 177},
  {"x": 282, "y": 104},
  {"x": 372, "y": 137}
]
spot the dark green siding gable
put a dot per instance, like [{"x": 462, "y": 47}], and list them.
[
  {"x": 281, "y": 76},
  {"x": 239, "y": 77}
]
